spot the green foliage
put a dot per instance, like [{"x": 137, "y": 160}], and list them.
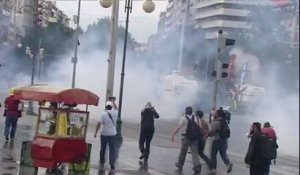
[
  {"x": 98, "y": 36},
  {"x": 56, "y": 39}
]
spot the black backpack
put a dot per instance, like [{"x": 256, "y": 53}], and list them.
[
  {"x": 224, "y": 129},
  {"x": 268, "y": 147},
  {"x": 193, "y": 130}
]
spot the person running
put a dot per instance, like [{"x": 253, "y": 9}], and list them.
[
  {"x": 186, "y": 142},
  {"x": 219, "y": 144},
  {"x": 108, "y": 134},
  {"x": 202, "y": 140},
  {"x": 148, "y": 115}
]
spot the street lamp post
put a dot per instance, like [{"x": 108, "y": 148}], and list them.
[
  {"x": 74, "y": 59},
  {"x": 182, "y": 35},
  {"x": 113, "y": 45},
  {"x": 35, "y": 49},
  {"x": 148, "y": 7}
]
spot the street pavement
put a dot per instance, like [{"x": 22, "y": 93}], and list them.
[{"x": 163, "y": 155}]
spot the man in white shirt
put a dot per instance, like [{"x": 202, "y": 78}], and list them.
[
  {"x": 187, "y": 142},
  {"x": 108, "y": 134}
]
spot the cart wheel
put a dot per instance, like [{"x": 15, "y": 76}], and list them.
[{"x": 81, "y": 162}]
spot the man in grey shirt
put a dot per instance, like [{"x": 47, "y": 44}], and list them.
[{"x": 219, "y": 144}]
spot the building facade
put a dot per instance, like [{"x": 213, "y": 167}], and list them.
[
  {"x": 228, "y": 15},
  {"x": 19, "y": 16}
]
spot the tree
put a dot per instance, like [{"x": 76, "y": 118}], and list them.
[{"x": 97, "y": 36}]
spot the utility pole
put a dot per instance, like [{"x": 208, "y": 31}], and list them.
[
  {"x": 182, "y": 35},
  {"x": 217, "y": 69},
  {"x": 74, "y": 59},
  {"x": 113, "y": 48},
  {"x": 35, "y": 52},
  {"x": 217, "y": 73}
]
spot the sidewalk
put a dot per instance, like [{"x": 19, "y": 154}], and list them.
[{"x": 161, "y": 161}]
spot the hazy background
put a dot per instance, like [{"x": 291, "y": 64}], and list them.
[{"x": 143, "y": 74}]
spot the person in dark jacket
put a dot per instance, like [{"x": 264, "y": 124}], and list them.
[
  {"x": 258, "y": 165},
  {"x": 148, "y": 115},
  {"x": 218, "y": 144}
]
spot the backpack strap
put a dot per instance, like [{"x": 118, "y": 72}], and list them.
[
  {"x": 187, "y": 118},
  {"x": 111, "y": 118}
]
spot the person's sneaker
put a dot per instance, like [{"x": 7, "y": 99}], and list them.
[
  {"x": 7, "y": 139},
  {"x": 212, "y": 172},
  {"x": 141, "y": 157},
  {"x": 197, "y": 169},
  {"x": 178, "y": 166},
  {"x": 101, "y": 165},
  {"x": 229, "y": 167},
  {"x": 112, "y": 166}
]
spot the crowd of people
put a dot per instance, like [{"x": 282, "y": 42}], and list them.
[{"x": 195, "y": 131}]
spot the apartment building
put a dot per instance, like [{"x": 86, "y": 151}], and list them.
[
  {"x": 5, "y": 21},
  {"x": 177, "y": 13},
  {"x": 290, "y": 21},
  {"x": 228, "y": 15},
  {"x": 18, "y": 16}
]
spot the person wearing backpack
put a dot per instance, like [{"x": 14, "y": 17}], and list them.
[
  {"x": 220, "y": 133},
  {"x": 108, "y": 134},
  {"x": 202, "y": 140},
  {"x": 190, "y": 137},
  {"x": 258, "y": 164},
  {"x": 269, "y": 131},
  {"x": 148, "y": 115}
]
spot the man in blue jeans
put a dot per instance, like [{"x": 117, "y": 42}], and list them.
[
  {"x": 218, "y": 144},
  {"x": 13, "y": 110},
  {"x": 108, "y": 134}
]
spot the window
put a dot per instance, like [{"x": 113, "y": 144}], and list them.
[{"x": 62, "y": 123}]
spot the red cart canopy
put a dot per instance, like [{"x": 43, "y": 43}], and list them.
[{"x": 54, "y": 94}]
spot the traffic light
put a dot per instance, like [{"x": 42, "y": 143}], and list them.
[
  {"x": 220, "y": 72},
  {"x": 229, "y": 42},
  {"x": 225, "y": 66},
  {"x": 223, "y": 42}
]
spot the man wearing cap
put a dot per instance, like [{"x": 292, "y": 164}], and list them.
[
  {"x": 108, "y": 121},
  {"x": 13, "y": 110}
]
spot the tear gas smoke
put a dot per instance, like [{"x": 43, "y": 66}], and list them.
[{"x": 281, "y": 109}]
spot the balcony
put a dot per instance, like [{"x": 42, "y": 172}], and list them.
[
  {"x": 246, "y": 2},
  {"x": 223, "y": 11},
  {"x": 223, "y": 23}
]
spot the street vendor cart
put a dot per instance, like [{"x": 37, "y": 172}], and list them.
[{"x": 60, "y": 135}]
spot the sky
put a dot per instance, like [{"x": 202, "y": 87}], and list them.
[{"x": 141, "y": 24}]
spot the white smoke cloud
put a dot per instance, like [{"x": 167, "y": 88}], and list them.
[
  {"x": 242, "y": 58},
  {"x": 278, "y": 107}
]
